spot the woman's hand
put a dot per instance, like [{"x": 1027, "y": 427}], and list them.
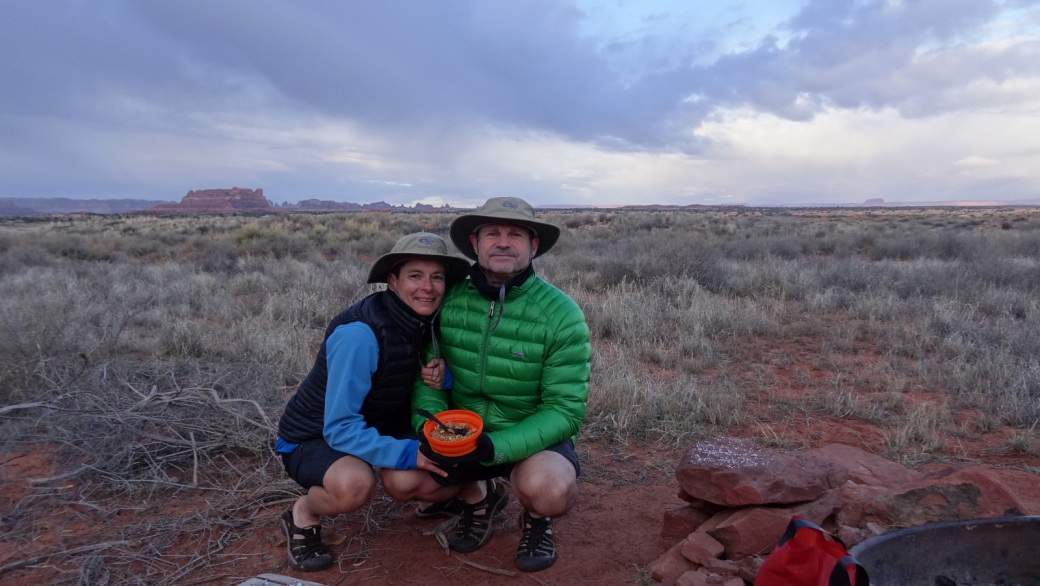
[
  {"x": 433, "y": 373},
  {"x": 424, "y": 463}
]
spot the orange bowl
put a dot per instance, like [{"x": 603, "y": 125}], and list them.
[{"x": 461, "y": 447}]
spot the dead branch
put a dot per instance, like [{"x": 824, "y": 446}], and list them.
[
  {"x": 75, "y": 472},
  {"x": 76, "y": 550},
  {"x": 498, "y": 571}
]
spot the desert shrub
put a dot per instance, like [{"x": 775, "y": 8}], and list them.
[{"x": 682, "y": 307}]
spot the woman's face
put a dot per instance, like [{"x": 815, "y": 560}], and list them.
[{"x": 420, "y": 284}]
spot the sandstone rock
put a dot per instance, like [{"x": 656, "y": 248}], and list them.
[
  {"x": 671, "y": 565},
  {"x": 867, "y": 468},
  {"x": 856, "y": 498},
  {"x": 717, "y": 519},
  {"x": 757, "y": 529},
  {"x": 737, "y": 472},
  {"x": 699, "y": 547},
  {"x": 850, "y": 536},
  {"x": 700, "y": 504},
  {"x": 721, "y": 567},
  {"x": 217, "y": 201},
  {"x": 734, "y": 581},
  {"x": 749, "y": 567},
  {"x": 953, "y": 494},
  {"x": 697, "y": 579},
  {"x": 875, "y": 529},
  {"x": 682, "y": 521}
]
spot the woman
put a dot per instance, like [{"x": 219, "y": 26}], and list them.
[{"x": 351, "y": 413}]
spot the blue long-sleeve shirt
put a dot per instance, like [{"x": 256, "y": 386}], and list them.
[{"x": 352, "y": 355}]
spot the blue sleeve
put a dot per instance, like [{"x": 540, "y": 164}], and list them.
[
  {"x": 352, "y": 355},
  {"x": 449, "y": 381}
]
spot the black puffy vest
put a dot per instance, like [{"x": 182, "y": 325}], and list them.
[{"x": 400, "y": 333}]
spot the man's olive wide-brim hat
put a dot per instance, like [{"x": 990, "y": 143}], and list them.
[
  {"x": 502, "y": 210},
  {"x": 419, "y": 245}
]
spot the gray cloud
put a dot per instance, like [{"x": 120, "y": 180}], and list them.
[
  {"x": 406, "y": 64},
  {"x": 431, "y": 74}
]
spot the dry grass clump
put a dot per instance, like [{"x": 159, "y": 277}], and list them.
[{"x": 153, "y": 354}]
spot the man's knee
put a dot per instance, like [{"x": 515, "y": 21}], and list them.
[{"x": 546, "y": 483}]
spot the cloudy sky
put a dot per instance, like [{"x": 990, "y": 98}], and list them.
[{"x": 558, "y": 102}]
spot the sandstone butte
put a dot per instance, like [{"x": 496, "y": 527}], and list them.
[{"x": 217, "y": 201}]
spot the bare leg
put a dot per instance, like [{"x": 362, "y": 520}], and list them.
[
  {"x": 473, "y": 491},
  {"x": 545, "y": 484},
  {"x": 347, "y": 485},
  {"x": 415, "y": 485}
]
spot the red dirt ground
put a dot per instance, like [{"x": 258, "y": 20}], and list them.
[{"x": 609, "y": 538}]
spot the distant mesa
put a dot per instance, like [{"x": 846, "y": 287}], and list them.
[
  {"x": 12, "y": 209},
  {"x": 324, "y": 205},
  {"x": 877, "y": 201},
  {"x": 217, "y": 201}
]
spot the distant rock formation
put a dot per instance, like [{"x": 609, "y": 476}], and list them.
[
  {"x": 30, "y": 206},
  {"x": 9, "y": 209},
  {"x": 217, "y": 201},
  {"x": 877, "y": 201},
  {"x": 324, "y": 205}
]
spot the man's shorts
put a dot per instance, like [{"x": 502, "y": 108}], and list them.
[
  {"x": 477, "y": 471},
  {"x": 309, "y": 462}
]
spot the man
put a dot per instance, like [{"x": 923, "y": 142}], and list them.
[{"x": 519, "y": 352}]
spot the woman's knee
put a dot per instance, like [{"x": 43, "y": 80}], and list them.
[
  {"x": 407, "y": 485},
  {"x": 350, "y": 484}
]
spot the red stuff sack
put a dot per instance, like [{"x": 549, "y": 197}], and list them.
[{"x": 809, "y": 556}]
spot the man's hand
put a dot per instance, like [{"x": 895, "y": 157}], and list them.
[
  {"x": 484, "y": 451},
  {"x": 433, "y": 373}
]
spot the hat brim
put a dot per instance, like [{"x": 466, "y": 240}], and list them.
[
  {"x": 456, "y": 269},
  {"x": 463, "y": 226}
]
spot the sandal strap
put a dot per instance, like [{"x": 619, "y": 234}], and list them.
[
  {"x": 305, "y": 542},
  {"x": 537, "y": 538}
]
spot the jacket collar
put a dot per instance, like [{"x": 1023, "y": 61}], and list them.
[
  {"x": 496, "y": 293},
  {"x": 405, "y": 318}
]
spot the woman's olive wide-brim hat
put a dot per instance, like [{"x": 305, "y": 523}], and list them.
[
  {"x": 502, "y": 210},
  {"x": 419, "y": 245}
]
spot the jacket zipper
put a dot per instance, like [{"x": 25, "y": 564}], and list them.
[{"x": 483, "y": 360}]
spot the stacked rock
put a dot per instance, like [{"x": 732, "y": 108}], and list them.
[{"x": 740, "y": 498}]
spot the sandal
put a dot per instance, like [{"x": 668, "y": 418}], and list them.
[
  {"x": 474, "y": 529},
  {"x": 448, "y": 508},
  {"x": 537, "y": 550},
  {"x": 306, "y": 552}
]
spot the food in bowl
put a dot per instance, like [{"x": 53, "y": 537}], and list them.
[
  {"x": 451, "y": 444},
  {"x": 439, "y": 433}
]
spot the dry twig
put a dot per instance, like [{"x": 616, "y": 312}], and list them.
[
  {"x": 76, "y": 550},
  {"x": 498, "y": 571}
]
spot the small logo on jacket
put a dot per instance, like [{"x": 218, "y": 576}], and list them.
[{"x": 517, "y": 354}]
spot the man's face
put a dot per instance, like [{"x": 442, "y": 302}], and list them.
[{"x": 503, "y": 250}]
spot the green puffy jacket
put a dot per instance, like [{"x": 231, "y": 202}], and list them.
[{"x": 528, "y": 379}]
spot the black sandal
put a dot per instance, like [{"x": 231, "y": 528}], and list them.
[
  {"x": 537, "y": 550},
  {"x": 474, "y": 529},
  {"x": 306, "y": 552},
  {"x": 448, "y": 508}
]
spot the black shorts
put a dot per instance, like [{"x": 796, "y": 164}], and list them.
[
  {"x": 478, "y": 471},
  {"x": 309, "y": 462}
]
